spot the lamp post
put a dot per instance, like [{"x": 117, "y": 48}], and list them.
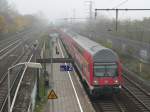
[{"x": 27, "y": 64}]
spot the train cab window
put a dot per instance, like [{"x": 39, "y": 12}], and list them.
[
  {"x": 111, "y": 70},
  {"x": 99, "y": 71},
  {"x": 105, "y": 70}
]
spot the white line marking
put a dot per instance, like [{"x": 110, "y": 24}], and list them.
[{"x": 81, "y": 110}]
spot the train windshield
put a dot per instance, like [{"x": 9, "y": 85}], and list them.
[{"x": 105, "y": 70}]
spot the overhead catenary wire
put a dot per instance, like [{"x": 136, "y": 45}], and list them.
[
  {"x": 117, "y": 10},
  {"x": 123, "y": 2}
]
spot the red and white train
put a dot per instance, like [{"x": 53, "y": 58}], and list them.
[{"x": 99, "y": 66}]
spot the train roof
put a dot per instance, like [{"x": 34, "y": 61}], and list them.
[{"x": 99, "y": 52}]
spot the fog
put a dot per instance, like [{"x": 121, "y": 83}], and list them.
[{"x": 57, "y": 9}]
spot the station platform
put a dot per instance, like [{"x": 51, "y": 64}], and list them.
[{"x": 68, "y": 88}]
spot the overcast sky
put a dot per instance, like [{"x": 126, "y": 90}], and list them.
[{"x": 55, "y": 9}]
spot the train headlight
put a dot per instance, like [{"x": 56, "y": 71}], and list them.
[
  {"x": 116, "y": 81},
  {"x": 95, "y": 82}
]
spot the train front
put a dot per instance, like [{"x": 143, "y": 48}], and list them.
[{"x": 107, "y": 73}]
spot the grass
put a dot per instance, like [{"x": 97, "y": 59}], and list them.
[
  {"x": 134, "y": 64},
  {"x": 40, "y": 104},
  {"x": 39, "y": 107}
]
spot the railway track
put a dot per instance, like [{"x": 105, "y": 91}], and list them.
[
  {"x": 15, "y": 76},
  {"x": 138, "y": 95},
  {"x": 10, "y": 55},
  {"x": 7, "y": 42},
  {"x": 133, "y": 94},
  {"x": 12, "y": 39},
  {"x": 7, "y": 50},
  {"x": 109, "y": 104},
  {"x": 10, "y": 59},
  {"x": 22, "y": 57},
  {"x": 25, "y": 90}
]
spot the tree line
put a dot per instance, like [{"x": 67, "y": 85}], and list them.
[{"x": 12, "y": 21}]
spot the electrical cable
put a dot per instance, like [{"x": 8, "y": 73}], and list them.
[{"x": 123, "y": 2}]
